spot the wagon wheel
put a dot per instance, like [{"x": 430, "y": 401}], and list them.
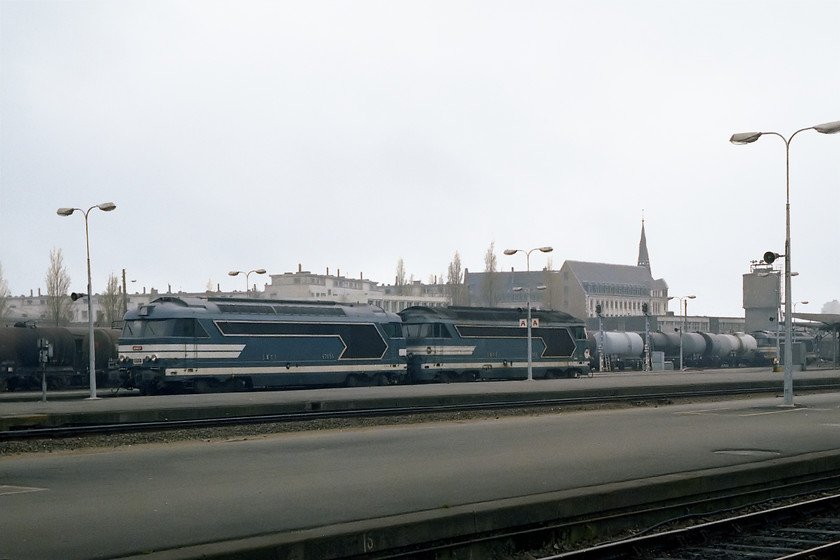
[
  {"x": 201, "y": 386},
  {"x": 149, "y": 389},
  {"x": 56, "y": 383},
  {"x": 353, "y": 381}
]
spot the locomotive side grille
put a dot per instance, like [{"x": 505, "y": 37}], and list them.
[{"x": 269, "y": 309}]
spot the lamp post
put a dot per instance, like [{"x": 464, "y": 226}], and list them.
[
  {"x": 105, "y": 207},
  {"x": 528, "y": 292},
  {"x": 646, "y": 311},
  {"x": 684, "y": 309},
  {"x": 749, "y": 138},
  {"x": 247, "y": 274}
]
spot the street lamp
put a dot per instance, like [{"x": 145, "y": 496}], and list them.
[
  {"x": 528, "y": 292},
  {"x": 749, "y": 138},
  {"x": 684, "y": 309},
  {"x": 105, "y": 207},
  {"x": 247, "y": 274}
]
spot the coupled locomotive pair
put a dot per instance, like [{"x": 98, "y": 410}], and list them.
[{"x": 208, "y": 344}]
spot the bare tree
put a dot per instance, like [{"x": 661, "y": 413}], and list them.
[
  {"x": 112, "y": 301},
  {"x": 400, "y": 281},
  {"x": 490, "y": 285},
  {"x": 4, "y": 293},
  {"x": 455, "y": 281},
  {"x": 58, "y": 284}
]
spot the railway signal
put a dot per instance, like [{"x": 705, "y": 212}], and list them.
[
  {"x": 45, "y": 353},
  {"x": 770, "y": 256}
]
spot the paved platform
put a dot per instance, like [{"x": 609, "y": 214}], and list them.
[
  {"x": 131, "y": 407},
  {"x": 336, "y": 493}
]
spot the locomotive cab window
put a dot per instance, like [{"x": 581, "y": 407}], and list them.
[
  {"x": 426, "y": 330},
  {"x": 185, "y": 328},
  {"x": 393, "y": 330}
]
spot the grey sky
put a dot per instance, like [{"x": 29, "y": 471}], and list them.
[{"x": 244, "y": 134}]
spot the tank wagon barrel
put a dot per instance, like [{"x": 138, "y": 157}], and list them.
[
  {"x": 66, "y": 351},
  {"x": 619, "y": 349},
  {"x": 694, "y": 344},
  {"x": 622, "y": 349}
]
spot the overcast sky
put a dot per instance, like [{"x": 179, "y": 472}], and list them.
[{"x": 243, "y": 134}]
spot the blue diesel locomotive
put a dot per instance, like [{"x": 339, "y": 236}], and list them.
[
  {"x": 207, "y": 344},
  {"x": 447, "y": 344}
]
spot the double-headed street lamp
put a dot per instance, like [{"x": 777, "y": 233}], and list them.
[
  {"x": 684, "y": 310},
  {"x": 105, "y": 207},
  {"x": 749, "y": 138},
  {"x": 528, "y": 292},
  {"x": 247, "y": 274}
]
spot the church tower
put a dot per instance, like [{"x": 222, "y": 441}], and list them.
[{"x": 644, "y": 259}]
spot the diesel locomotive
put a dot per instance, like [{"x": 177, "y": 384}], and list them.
[
  {"x": 217, "y": 344},
  {"x": 447, "y": 344}
]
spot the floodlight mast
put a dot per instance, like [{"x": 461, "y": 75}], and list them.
[
  {"x": 247, "y": 274},
  {"x": 748, "y": 138},
  {"x": 528, "y": 292},
  {"x": 105, "y": 207},
  {"x": 683, "y": 312}
]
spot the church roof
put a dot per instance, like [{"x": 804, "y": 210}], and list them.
[{"x": 603, "y": 273}]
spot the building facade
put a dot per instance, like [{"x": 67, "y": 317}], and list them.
[
  {"x": 628, "y": 297},
  {"x": 582, "y": 288},
  {"x": 305, "y": 285}
]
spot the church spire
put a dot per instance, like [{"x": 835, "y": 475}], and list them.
[{"x": 644, "y": 259}]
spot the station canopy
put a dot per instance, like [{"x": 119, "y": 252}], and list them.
[{"x": 830, "y": 320}]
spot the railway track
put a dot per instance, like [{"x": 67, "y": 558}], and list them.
[
  {"x": 77, "y": 429},
  {"x": 807, "y": 530},
  {"x": 804, "y": 528}
]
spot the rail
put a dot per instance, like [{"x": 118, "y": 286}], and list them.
[
  {"x": 308, "y": 415},
  {"x": 808, "y": 529}
]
